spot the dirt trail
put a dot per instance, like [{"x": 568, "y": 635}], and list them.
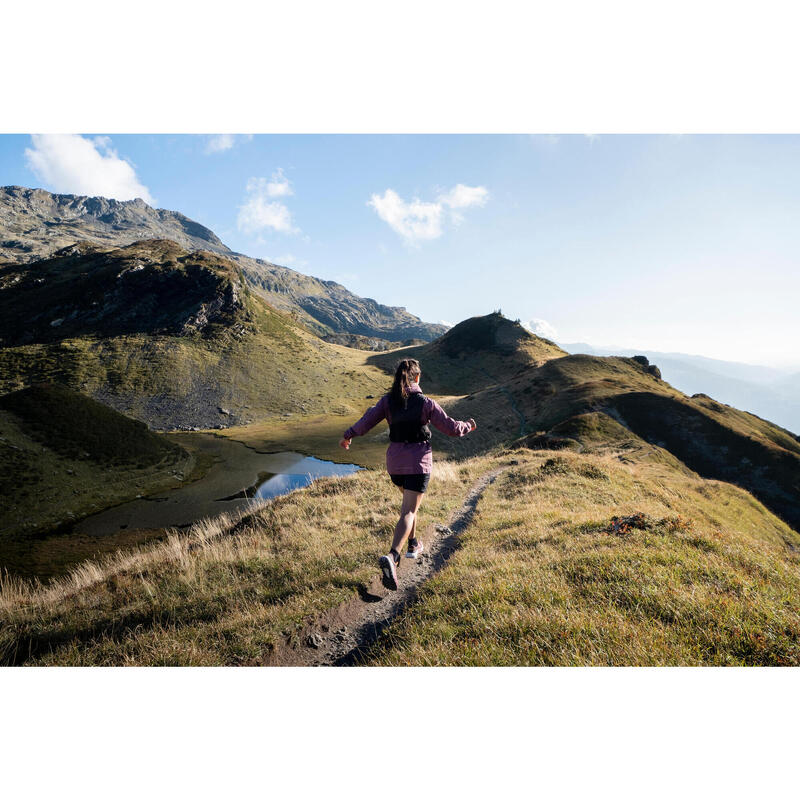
[{"x": 340, "y": 635}]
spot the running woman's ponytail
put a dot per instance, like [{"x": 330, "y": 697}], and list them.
[{"x": 406, "y": 373}]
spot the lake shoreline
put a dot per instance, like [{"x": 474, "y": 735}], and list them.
[{"x": 224, "y": 472}]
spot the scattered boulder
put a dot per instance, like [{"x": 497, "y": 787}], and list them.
[
  {"x": 644, "y": 362},
  {"x": 443, "y": 529}
]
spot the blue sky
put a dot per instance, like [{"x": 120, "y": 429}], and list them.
[{"x": 687, "y": 243}]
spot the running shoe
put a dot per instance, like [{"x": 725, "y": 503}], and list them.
[
  {"x": 389, "y": 571},
  {"x": 414, "y": 550}
]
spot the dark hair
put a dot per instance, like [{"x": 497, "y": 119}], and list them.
[{"x": 405, "y": 374}]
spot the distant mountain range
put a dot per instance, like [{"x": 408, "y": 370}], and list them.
[
  {"x": 770, "y": 393},
  {"x": 35, "y": 224}
]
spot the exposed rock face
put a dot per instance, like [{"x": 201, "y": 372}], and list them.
[
  {"x": 152, "y": 286},
  {"x": 34, "y": 224}
]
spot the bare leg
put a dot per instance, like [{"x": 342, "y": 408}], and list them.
[
  {"x": 413, "y": 534},
  {"x": 408, "y": 518}
]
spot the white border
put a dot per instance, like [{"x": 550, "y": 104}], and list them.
[
  {"x": 421, "y": 66},
  {"x": 617, "y": 733},
  {"x": 586, "y": 67}
]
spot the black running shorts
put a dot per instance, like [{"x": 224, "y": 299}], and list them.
[{"x": 416, "y": 483}]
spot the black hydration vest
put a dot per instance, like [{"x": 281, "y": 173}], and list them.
[{"x": 406, "y": 424}]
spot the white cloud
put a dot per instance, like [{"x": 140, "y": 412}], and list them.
[
  {"x": 541, "y": 327},
  {"x": 418, "y": 221},
  {"x": 220, "y": 142},
  {"x": 73, "y": 164},
  {"x": 461, "y": 196},
  {"x": 259, "y": 211},
  {"x": 278, "y": 186},
  {"x": 414, "y": 221},
  {"x": 445, "y": 323}
]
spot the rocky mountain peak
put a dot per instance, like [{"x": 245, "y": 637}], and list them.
[{"x": 35, "y": 223}]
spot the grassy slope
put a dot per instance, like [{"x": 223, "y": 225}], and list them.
[
  {"x": 223, "y": 593},
  {"x": 255, "y": 361},
  {"x": 66, "y": 456},
  {"x": 712, "y": 578}
]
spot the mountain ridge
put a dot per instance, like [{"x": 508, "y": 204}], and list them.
[
  {"x": 35, "y": 223},
  {"x": 765, "y": 391}
]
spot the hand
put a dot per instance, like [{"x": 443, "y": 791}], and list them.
[
  {"x": 472, "y": 424},
  {"x": 345, "y": 443}
]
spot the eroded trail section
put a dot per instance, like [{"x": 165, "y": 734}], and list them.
[{"x": 337, "y": 637}]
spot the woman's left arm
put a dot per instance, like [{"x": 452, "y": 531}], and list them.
[{"x": 448, "y": 425}]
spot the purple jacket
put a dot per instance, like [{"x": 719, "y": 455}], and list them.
[{"x": 409, "y": 458}]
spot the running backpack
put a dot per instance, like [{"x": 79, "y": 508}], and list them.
[{"x": 406, "y": 423}]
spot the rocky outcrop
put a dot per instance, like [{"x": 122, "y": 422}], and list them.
[{"x": 150, "y": 287}]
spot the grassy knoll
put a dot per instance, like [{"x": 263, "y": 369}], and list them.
[
  {"x": 706, "y": 575},
  {"x": 226, "y": 591},
  {"x": 169, "y": 338},
  {"x": 273, "y": 369},
  {"x": 474, "y": 354}
]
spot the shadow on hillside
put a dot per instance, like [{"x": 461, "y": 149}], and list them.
[{"x": 715, "y": 451}]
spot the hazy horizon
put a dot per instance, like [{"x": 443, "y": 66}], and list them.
[{"x": 662, "y": 243}]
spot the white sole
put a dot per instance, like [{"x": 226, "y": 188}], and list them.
[{"x": 415, "y": 554}]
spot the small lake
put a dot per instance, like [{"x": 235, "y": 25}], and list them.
[{"x": 239, "y": 476}]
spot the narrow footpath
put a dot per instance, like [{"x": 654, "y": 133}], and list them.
[{"x": 339, "y": 636}]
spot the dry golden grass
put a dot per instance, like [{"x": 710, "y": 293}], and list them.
[
  {"x": 709, "y": 576},
  {"x": 225, "y": 592},
  {"x": 692, "y": 572}
]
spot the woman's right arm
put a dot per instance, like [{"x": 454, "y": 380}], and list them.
[{"x": 370, "y": 419}]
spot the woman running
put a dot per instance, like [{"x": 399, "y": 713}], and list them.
[{"x": 409, "y": 458}]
